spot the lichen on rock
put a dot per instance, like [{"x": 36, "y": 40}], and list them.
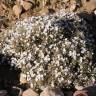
[{"x": 53, "y": 50}]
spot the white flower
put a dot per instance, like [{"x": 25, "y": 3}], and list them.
[
  {"x": 59, "y": 80},
  {"x": 57, "y": 62},
  {"x": 76, "y": 38},
  {"x": 83, "y": 50},
  {"x": 69, "y": 82},
  {"x": 50, "y": 46},
  {"x": 56, "y": 71},
  {"x": 56, "y": 28},
  {"x": 61, "y": 67},
  {"x": 36, "y": 78},
  {"x": 78, "y": 87},
  {"x": 52, "y": 83},
  {"x": 57, "y": 74},
  {"x": 36, "y": 49},
  {"x": 65, "y": 69},
  {"x": 29, "y": 56},
  {"x": 13, "y": 60},
  {"x": 28, "y": 78},
  {"x": 47, "y": 58},
  {"x": 93, "y": 79},
  {"x": 57, "y": 56},
  {"x": 70, "y": 53},
  {"x": 81, "y": 59},
  {"x": 51, "y": 36},
  {"x": 31, "y": 85},
  {"x": 39, "y": 77},
  {"x": 40, "y": 69},
  {"x": 62, "y": 79},
  {"x": 74, "y": 55},
  {"x": 29, "y": 65}
]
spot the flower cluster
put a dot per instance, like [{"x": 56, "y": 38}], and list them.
[{"x": 51, "y": 50}]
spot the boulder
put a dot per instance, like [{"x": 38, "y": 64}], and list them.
[
  {"x": 29, "y": 92},
  {"x": 80, "y": 93},
  {"x": 50, "y": 91},
  {"x": 17, "y": 9}
]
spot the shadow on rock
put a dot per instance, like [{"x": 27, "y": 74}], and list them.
[
  {"x": 88, "y": 91},
  {"x": 91, "y": 90},
  {"x": 9, "y": 75},
  {"x": 91, "y": 22}
]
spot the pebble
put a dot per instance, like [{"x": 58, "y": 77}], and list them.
[
  {"x": 29, "y": 92},
  {"x": 4, "y": 6},
  {"x": 50, "y": 91}
]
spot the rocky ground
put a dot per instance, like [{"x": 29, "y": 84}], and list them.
[{"x": 12, "y": 11}]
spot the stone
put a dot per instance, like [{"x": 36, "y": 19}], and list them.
[
  {"x": 80, "y": 93},
  {"x": 29, "y": 92},
  {"x": 89, "y": 6},
  {"x": 72, "y": 5},
  {"x": 4, "y": 6},
  {"x": 26, "y": 5},
  {"x": 44, "y": 11},
  {"x": 17, "y": 9},
  {"x": 3, "y": 93},
  {"x": 50, "y": 91}
]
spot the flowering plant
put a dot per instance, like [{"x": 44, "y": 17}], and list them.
[{"x": 51, "y": 50}]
